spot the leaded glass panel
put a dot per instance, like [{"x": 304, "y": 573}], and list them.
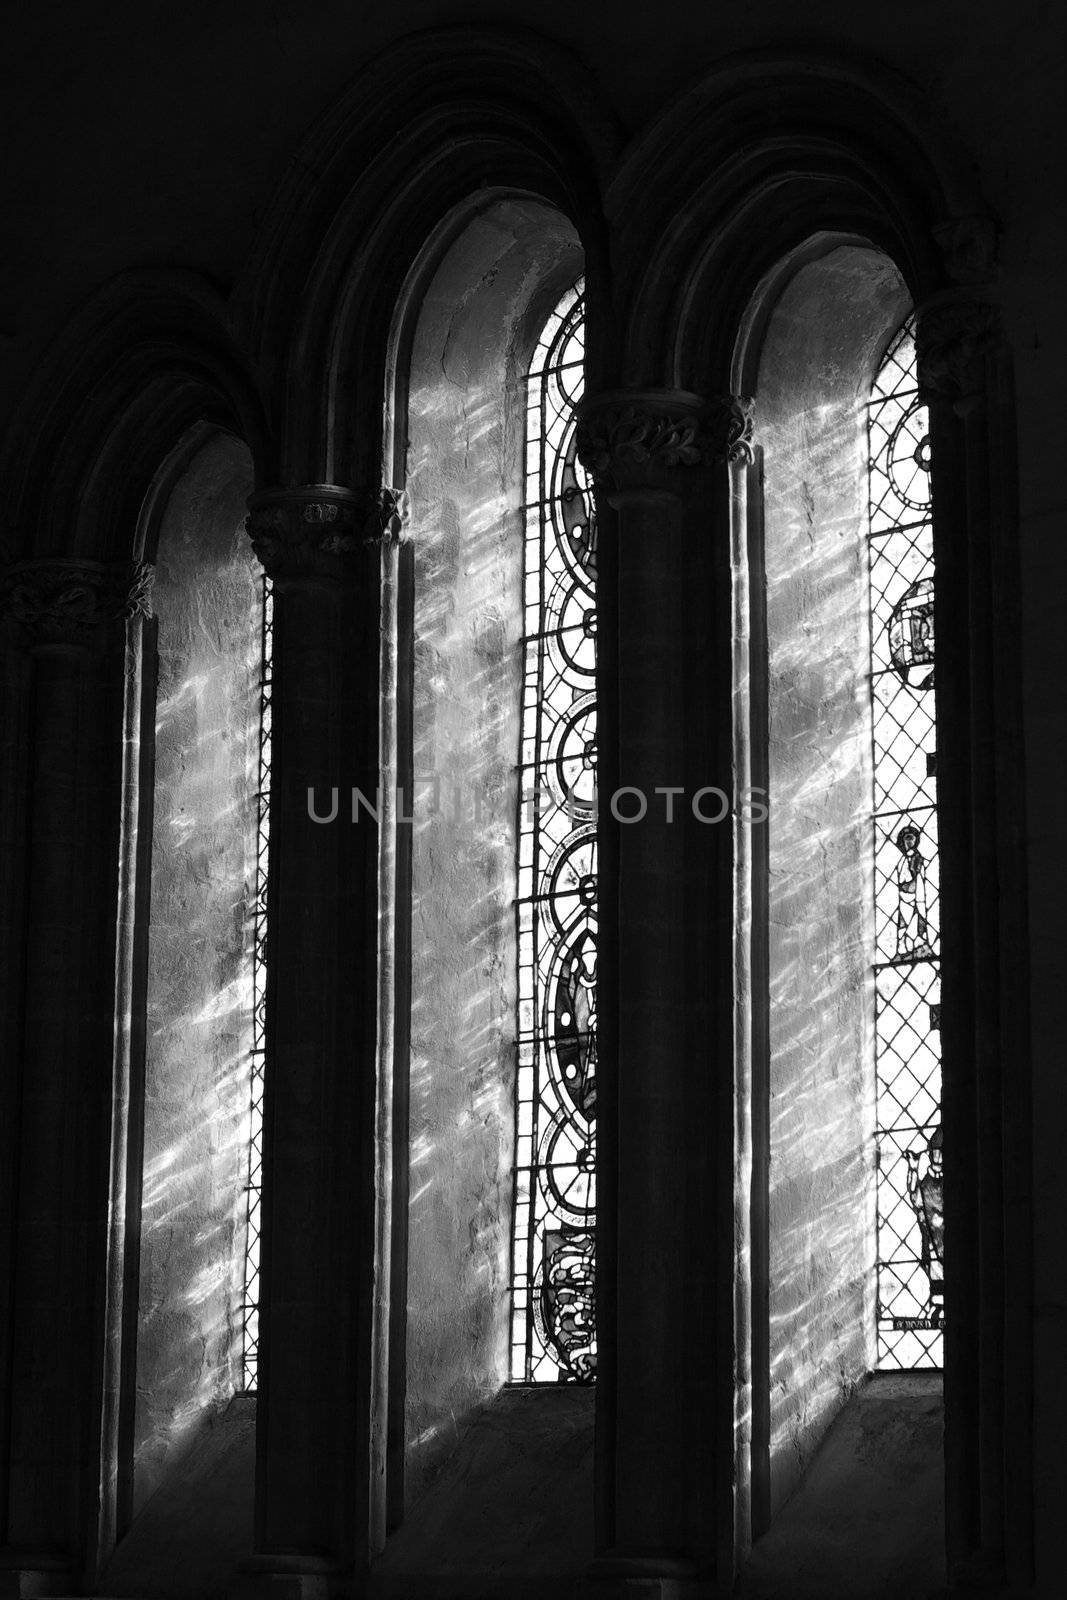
[
  {"x": 553, "y": 1334},
  {"x": 907, "y": 976},
  {"x": 250, "y": 1299}
]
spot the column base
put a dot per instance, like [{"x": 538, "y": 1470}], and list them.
[
  {"x": 290, "y": 1578},
  {"x": 620, "y": 1577},
  {"x": 23, "y": 1577},
  {"x": 648, "y": 1589},
  {"x": 287, "y": 1586}
]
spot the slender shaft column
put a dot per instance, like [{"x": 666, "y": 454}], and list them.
[
  {"x": 989, "y": 1115},
  {"x": 320, "y": 1440},
  {"x": 665, "y": 1218},
  {"x": 68, "y": 617}
]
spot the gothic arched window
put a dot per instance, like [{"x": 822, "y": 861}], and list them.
[
  {"x": 846, "y": 1214},
  {"x": 906, "y": 966},
  {"x": 553, "y": 1337},
  {"x": 491, "y": 622}
]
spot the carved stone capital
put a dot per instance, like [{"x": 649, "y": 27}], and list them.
[
  {"x": 319, "y": 531},
  {"x": 70, "y": 603},
  {"x": 952, "y": 334},
  {"x": 727, "y": 423},
  {"x": 634, "y": 437},
  {"x": 968, "y": 248}
]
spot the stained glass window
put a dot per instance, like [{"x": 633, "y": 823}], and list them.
[
  {"x": 552, "y": 1331},
  {"x": 250, "y": 1298},
  {"x": 907, "y": 976}
]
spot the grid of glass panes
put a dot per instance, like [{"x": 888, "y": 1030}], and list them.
[
  {"x": 250, "y": 1298},
  {"x": 907, "y": 922},
  {"x": 553, "y": 1334}
]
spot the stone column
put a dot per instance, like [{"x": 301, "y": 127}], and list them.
[
  {"x": 67, "y": 618},
  {"x": 988, "y": 1114},
  {"x": 320, "y": 1434},
  {"x": 661, "y": 462}
]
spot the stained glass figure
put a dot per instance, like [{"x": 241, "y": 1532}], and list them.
[
  {"x": 926, "y": 1193},
  {"x": 912, "y": 928},
  {"x": 907, "y": 974},
  {"x": 250, "y": 1298},
  {"x": 552, "y": 1330},
  {"x": 911, "y": 635}
]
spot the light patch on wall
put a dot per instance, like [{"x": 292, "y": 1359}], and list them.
[
  {"x": 818, "y": 353},
  {"x": 463, "y": 476},
  {"x": 199, "y": 992}
]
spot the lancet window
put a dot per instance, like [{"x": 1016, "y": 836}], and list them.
[
  {"x": 250, "y": 1299},
  {"x": 907, "y": 970},
  {"x": 553, "y": 1334}
]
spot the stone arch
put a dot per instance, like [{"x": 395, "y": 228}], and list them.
[
  {"x": 806, "y": 1060},
  {"x": 135, "y": 381},
  {"x": 188, "y": 923},
  {"x": 921, "y": 210},
  {"x": 440, "y": 117},
  {"x": 768, "y": 163},
  {"x": 676, "y": 264},
  {"x": 751, "y": 162},
  {"x": 462, "y": 330},
  {"x": 146, "y": 358},
  {"x": 445, "y": 126}
]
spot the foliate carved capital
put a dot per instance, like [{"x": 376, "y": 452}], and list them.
[
  {"x": 71, "y": 603},
  {"x": 952, "y": 334},
  {"x": 968, "y": 248},
  {"x": 319, "y": 531},
  {"x": 638, "y": 436},
  {"x": 728, "y": 428}
]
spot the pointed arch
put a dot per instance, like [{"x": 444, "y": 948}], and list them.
[
  {"x": 440, "y": 118},
  {"x": 741, "y": 170},
  {"x": 766, "y": 166},
  {"x": 145, "y": 359}
]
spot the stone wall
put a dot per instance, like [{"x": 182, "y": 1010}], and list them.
[
  {"x": 465, "y": 442},
  {"x": 142, "y": 137},
  {"x": 821, "y": 346},
  {"x": 206, "y": 599},
  {"x": 868, "y": 1521}
]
